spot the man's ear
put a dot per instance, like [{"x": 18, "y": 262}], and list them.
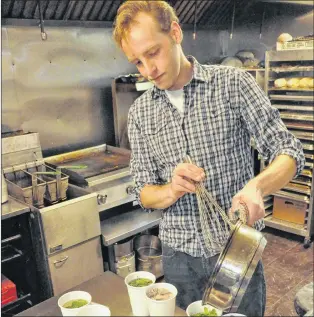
[{"x": 176, "y": 32}]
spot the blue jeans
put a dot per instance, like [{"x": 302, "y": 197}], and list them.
[{"x": 190, "y": 276}]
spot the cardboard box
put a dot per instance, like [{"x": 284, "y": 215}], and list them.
[
  {"x": 289, "y": 210},
  {"x": 295, "y": 45}
]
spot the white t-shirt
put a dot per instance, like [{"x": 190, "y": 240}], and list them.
[{"x": 176, "y": 97}]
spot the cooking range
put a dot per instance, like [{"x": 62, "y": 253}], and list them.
[{"x": 103, "y": 169}]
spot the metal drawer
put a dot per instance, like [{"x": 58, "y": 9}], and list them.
[
  {"x": 75, "y": 265},
  {"x": 70, "y": 222}
]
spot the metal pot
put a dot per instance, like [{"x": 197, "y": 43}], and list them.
[
  {"x": 149, "y": 254},
  {"x": 234, "y": 268},
  {"x": 123, "y": 248}
]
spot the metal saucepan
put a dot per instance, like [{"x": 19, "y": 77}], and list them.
[
  {"x": 234, "y": 268},
  {"x": 149, "y": 254}
]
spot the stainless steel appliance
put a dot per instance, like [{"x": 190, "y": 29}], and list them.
[
  {"x": 64, "y": 232},
  {"x": 105, "y": 171}
]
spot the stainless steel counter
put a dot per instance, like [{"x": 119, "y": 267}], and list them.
[
  {"x": 106, "y": 289},
  {"x": 125, "y": 225},
  {"x": 13, "y": 208}
]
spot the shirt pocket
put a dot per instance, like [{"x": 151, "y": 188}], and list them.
[
  {"x": 217, "y": 122},
  {"x": 154, "y": 124},
  {"x": 166, "y": 141}
]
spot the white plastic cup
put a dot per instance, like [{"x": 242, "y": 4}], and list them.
[
  {"x": 162, "y": 307},
  {"x": 94, "y": 310},
  {"x": 137, "y": 295},
  {"x": 72, "y": 296},
  {"x": 197, "y": 307},
  {"x": 234, "y": 314}
]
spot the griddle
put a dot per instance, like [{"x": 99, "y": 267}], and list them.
[{"x": 83, "y": 164}]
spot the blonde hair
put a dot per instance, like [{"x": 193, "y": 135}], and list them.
[{"x": 161, "y": 11}]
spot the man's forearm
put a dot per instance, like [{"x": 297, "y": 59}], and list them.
[
  {"x": 157, "y": 196},
  {"x": 276, "y": 175}
]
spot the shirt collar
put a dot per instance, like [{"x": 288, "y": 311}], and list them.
[{"x": 199, "y": 74}]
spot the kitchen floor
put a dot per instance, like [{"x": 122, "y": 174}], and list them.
[{"x": 288, "y": 267}]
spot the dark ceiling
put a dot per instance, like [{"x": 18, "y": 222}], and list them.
[{"x": 208, "y": 13}]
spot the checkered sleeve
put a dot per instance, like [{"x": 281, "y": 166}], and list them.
[
  {"x": 265, "y": 125},
  {"x": 142, "y": 164}
]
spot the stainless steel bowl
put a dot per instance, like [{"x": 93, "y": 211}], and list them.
[{"x": 234, "y": 268}]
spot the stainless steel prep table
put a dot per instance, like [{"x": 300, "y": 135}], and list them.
[
  {"x": 126, "y": 225},
  {"x": 106, "y": 289},
  {"x": 13, "y": 208}
]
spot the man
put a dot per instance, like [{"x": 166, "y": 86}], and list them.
[{"x": 209, "y": 113}]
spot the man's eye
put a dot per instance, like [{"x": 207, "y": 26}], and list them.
[
  {"x": 154, "y": 53},
  {"x": 138, "y": 63}
]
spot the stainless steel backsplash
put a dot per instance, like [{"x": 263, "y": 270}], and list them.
[{"x": 60, "y": 87}]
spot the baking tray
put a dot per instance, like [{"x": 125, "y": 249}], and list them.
[
  {"x": 306, "y": 172},
  {"x": 308, "y": 146},
  {"x": 302, "y": 180},
  {"x": 298, "y": 197},
  {"x": 303, "y": 135},
  {"x": 291, "y": 97},
  {"x": 298, "y": 188},
  {"x": 297, "y": 116},
  {"x": 290, "y": 89},
  {"x": 309, "y": 156},
  {"x": 299, "y": 125},
  {"x": 26, "y": 187},
  {"x": 292, "y": 68},
  {"x": 294, "y": 107}
]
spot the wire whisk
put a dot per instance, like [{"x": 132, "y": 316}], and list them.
[{"x": 215, "y": 224}]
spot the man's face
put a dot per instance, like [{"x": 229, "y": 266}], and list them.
[{"x": 155, "y": 54}]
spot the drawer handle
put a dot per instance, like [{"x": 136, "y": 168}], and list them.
[
  {"x": 60, "y": 261},
  {"x": 101, "y": 199},
  {"x": 130, "y": 190}
]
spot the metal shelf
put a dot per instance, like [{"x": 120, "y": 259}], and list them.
[
  {"x": 289, "y": 56},
  {"x": 291, "y": 89},
  {"x": 303, "y": 135},
  {"x": 285, "y": 226},
  {"x": 298, "y": 125},
  {"x": 291, "y": 97},
  {"x": 290, "y": 69},
  {"x": 294, "y": 100},
  {"x": 302, "y": 180},
  {"x": 296, "y": 116},
  {"x": 293, "y": 107},
  {"x": 298, "y": 188}
]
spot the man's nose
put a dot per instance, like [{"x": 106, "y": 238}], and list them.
[{"x": 150, "y": 69}]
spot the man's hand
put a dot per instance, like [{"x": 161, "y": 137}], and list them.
[
  {"x": 252, "y": 198},
  {"x": 183, "y": 178}
]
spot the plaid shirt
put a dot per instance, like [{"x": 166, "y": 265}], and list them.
[{"x": 223, "y": 108}]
